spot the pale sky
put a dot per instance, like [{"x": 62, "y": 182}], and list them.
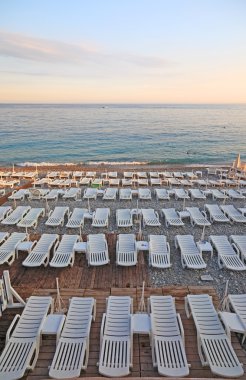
[{"x": 123, "y": 51}]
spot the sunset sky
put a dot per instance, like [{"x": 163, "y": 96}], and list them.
[{"x": 125, "y": 51}]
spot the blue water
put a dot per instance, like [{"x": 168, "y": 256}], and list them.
[{"x": 153, "y": 133}]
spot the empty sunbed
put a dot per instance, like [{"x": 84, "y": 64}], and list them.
[
  {"x": 125, "y": 194},
  {"x": 196, "y": 194},
  {"x": 126, "y": 250},
  {"x": 240, "y": 242},
  {"x": 155, "y": 181},
  {"x": 97, "y": 250},
  {"x": 53, "y": 195},
  {"x": 197, "y": 218},
  {"x": 76, "y": 218},
  {"x": 215, "y": 213},
  {"x": 150, "y": 217},
  {"x": 154, "y": 174},
  {"x": 72, "y": 351},
  {"x": 238, "y": 303},
  {"x": 31, "y": 218},
  {"x": 144, "y": 194},
  {"x": 124, "y": 217},
  {"x": 8, "y": 248},
  {"x": 141, "y": 175},
  {"x": 16, "y": 215},
  {"x": 234, "y": 194},
  {"x": 128, "y": 174},
  {"x": 190, "y": 254},
  {"x": 56, "y": 216},
  {"x": 18, "y": 195},
  {"x": 72, "y": 193},
  {"x": 181, "y": 194},
  {"x": 41, "y": 253},
  {"x": 85, "y": 181},
  {"x": 233, "y": 214},
  {"x": 159, "y": 251},
  {"x": 36, "y": 194},
  {"x": 90, "y": 193},
  {"x": 171, "y": 217},
  {"x": 114, "y": 181},
  {"x": 110, "y": 194},
  {"x": 214, "y": 347},
  {"x": 142, "y": 182},
  {"x": 64, "y": 255},
  {"x": 217, "y": 194},
  {"x": 22, "y": 347},
  {"x": 167, "y": 337},
  {"x": 100, "y": 217},
  {"x": 5, "y": 211},
  {"x": 228, "y": 256},
  {"x": 116, "y": 351},
  {"x": 126, "y": 182},
  {"x": 162, "y": 194}
]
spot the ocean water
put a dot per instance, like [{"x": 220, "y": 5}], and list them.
[{"x": 172, "y": 134}]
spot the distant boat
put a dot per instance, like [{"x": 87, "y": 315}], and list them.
[{"x": 104, "y": 106}]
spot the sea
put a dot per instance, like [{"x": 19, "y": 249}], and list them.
[{"x": 121, "y": 133}]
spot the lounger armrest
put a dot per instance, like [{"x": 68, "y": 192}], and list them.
[
  {"x": 225, "y": 325},
  {"x": 50, "y": 212},
  {"x": 204, "y": 214},
  {"x": 236, "y": 249},
  {"x": 12, "y": 327},
  {"x": 131, "y": 348},
  {"x": 181, "y": 328},
  {"x": 168, "y": 247},
  {"x": 102, "y": 328},
  {"x": 187, "y": 308}
]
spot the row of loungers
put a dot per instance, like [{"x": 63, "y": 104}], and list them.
[
  {"x": 231, "y": 253},
  {"x": 25, "y": 216},
  {"x": 111, "y": 193},
  {"x": 167, "y": 339}
]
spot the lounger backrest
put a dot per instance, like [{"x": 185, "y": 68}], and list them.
[
  {"x": 222, "y": 244},
  {"x": 170, "y": 213},
  {"x": 187, "y": 244},
  {"x": 240, "y": 241},
  {"x": 213, "y": 209},
  {"x": 118, "y": 316},
  {"x": 97, "y": 242},
  {"x": 238, "y": 302},
  {"x": 59, "y": 212},
  {"x": 45, "y": 242},
  {"x": 11, "y": 243},
  {"x": 230, "y": 209},
  {"x": 158, "y": 243},
  {"x": 195, "y": 212},
  {"x": 67, "y": 243},
  {"x": 127, "y": 242},
  {"x": 163, "y": 316}
]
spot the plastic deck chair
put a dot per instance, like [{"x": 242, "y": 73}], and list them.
[
  {"x": 150, "y": 217},
  {"x": 97, "y": 250},
  {"x": 171, "y": 217},
  {"x": 167, "y": 337},
  {"x": 215, "y": 213},
  {"x": 126, "y": 250},
  {"x": 116, "y": 338},
  {"x": 22, "y": 348},
  {"x": 8, "y": 248},
  {"x": 64, "y": 255},
  {"x": 228, "y": 256},
  {"x": 41, "y": 253},
  {"x": 124, "y": 217},
  {"x": 214, "y": 347},
  {"x": 159, "y": 252},
  {"x": 72, "y": 351},
  {"x": 190, "y": 255}
]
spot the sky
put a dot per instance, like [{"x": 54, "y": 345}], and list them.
[{"x": 122, "y": 51}]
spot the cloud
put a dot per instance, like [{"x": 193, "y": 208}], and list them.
[{"x": 52, "y": 51}]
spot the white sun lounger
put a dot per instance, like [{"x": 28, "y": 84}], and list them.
[
  {"x": 197, "y": 218},
  {"x": 91, "y": 174},
  {"x": 181, "y": 194},
  {"x": 114, "y": 181},
  {"x": 190, "y": 255},
  {"x": 53, "y": 195},
  {"x": 72, "y": 193},
  {"x": 162, "y": 194},
  {"x": 173, "y": 181},
  {"x": 154, "y": 174},
  {"x": 90, "y": 193},
  {"x": 144, "y": 194},
  {"x": 171, "y": 217},
  {"x": 214, "y": 347},
  {"x": 22, "y": 347},
  {"x": 76, "y": 218},
  {"x": 150, "y": 217},
  {"x": 124, "y": 217},
  {"x": 126, "y": 250},
  {"x": 8, "y": 295},
  {"x": 227, "y": 256},
  {"x": 64, "y": 255},
  {"x": 240, "y": 242},
  {"x": 143, "y": 182},
  {"x": 233, "y": 194},
  {"x": 155, "y": 181},
  {"x": 40, "y": 254},
  {"x": 215, "y": 213},
  {"x": 97, "y": 250},
  {"x": 100, "y": 217},
  {"x": 126, "y": 182},
  {"x": 16, "y": 215},
  {"x": 125, "y": 194},
  {"x": 196, "y": 194},
  {"x": 36, "y": 194},
  {"x": 18, "y": 195},
  {"x": 233, "y": 214},
  {"x": 141, "y": 175},
  {"x": 167, "y": 337},
  {"x": 31, "y": 218},
  {"x": 56, "y": 216},
  {"x": 85, "y": 181},
  {"x": 8, "y": 248},
  {"x": 217, "y": 194},
  {"x": 186, "y": 182},
  {"x": 159, "y": 251},
  {"x": 116, "y": 350},
  {"x": 238, "y": 304},
  {"x": 5, "y": 211},
  {"x": 128, "y": 174},
  {"x": 110, "y": 194},
  {"x": 72, "y": 351}
]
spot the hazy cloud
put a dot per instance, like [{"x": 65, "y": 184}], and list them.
[{"x": 52, "y": 51}]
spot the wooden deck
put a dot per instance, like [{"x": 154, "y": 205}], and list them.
[{"x": 142, "y": 361}]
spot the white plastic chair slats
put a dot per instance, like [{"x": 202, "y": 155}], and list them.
[
  {"x": 159, "y": 255},
  {"x": 8, "y": 248},
  {"x": 31, "y": 218},
  {"x": 40, "y": 254},
  {"x": 76, "y": 220},
  {"x": 65, "y": 255},
  {"x": 150, "y": 217},
  {"x": 126, "y": 250},
  {"x": 97, "y": 250},
  {"x": 124, "y": 218},
  {"x": 16, "y": 215}
]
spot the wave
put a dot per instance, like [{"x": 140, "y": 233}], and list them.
[{"x": 30, "y": 164}]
